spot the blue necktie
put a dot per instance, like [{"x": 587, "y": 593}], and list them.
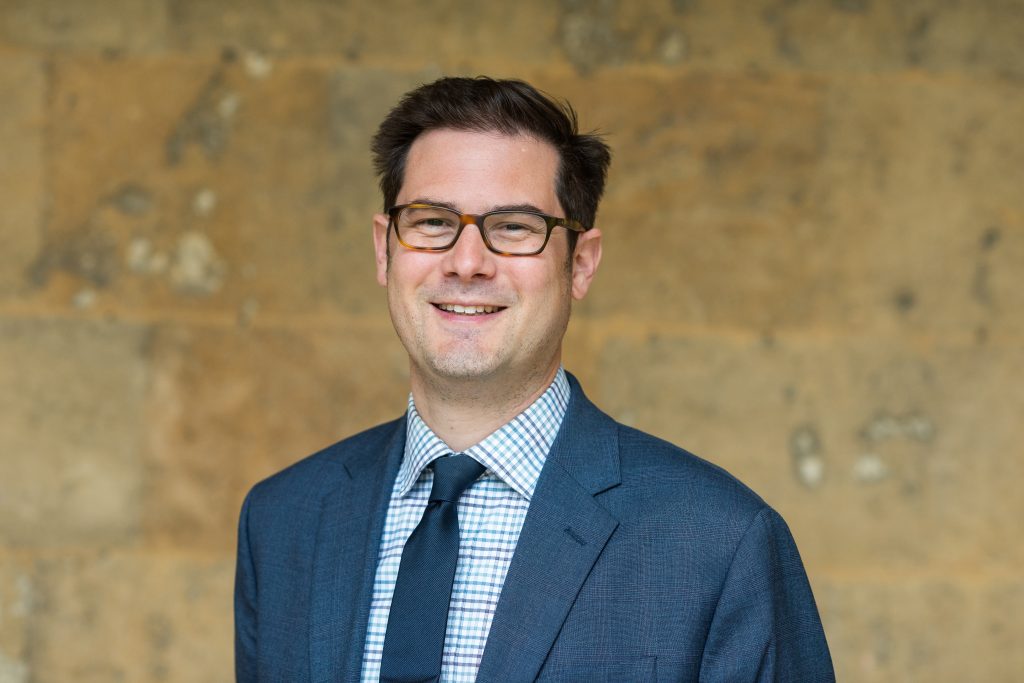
[{"x": 414, "y": 639}]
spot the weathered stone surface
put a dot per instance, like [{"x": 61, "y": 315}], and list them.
[
  {"x": 843, "y": 35},
  {"x": 445, "y": 33},
  {"x": 978, "y": 37},
  {"x": 229, "y": 408},
  {"x": 214, "y": 189},
  {"x": 708, "y": 182},
  {"x": 113, "y": 617},
  {"x": 581, "y": 350},
  {"x": 879, "y": 458},
  {"x": 119, "y": 207},
  {"x": 17, "y": 602},
  {"x": 929, "y": 629},
  {"x": 91, "y": 25},
  {"x": 773, "y": 202},
  {"x": 913, "y": 249},
  {"x": 70, "y": 432},
  {"x": 22, "y": 128}
]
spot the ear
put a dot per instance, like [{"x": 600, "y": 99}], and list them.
[
  {"x": 380, "y": 247},
  {"x": 585, "y": 260}
]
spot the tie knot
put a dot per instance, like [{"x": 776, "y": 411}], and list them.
[{"x": 453, "y": 475}]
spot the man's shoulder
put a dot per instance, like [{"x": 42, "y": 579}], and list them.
[
  {"x": 686, "y": 501},
  {"x": 671, "y": 473},
  {"x": 659, "y": 475},
  {"x": 308, "y": 476}
]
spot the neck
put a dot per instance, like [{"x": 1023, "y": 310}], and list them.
[{"x": 462, "y": 412}]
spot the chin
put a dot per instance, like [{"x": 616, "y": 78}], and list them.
[{"x": 462, "y": 367}]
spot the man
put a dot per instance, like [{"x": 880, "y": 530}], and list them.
[{"x": 505, "y": 529}]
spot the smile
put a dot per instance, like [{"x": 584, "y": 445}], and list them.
[{"x": 469, "y": 310}]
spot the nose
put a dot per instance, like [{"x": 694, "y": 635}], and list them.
[{"x": 469, "y": 258}]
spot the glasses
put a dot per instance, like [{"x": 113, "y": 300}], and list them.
[{"x": 425, "y": 227}]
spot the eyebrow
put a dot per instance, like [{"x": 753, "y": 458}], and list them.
[{"x": 499, "y": 207}]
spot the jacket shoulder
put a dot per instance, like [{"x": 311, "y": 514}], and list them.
[
  {"x": 655, "y": 477},
  {"x": 676, "y": 477}
]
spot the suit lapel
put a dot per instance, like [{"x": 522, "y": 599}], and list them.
[
  {"x": 565, "y": 532},
  {"x": 348, "y": 539}
]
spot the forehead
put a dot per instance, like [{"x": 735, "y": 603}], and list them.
[{"x": 480, "y": 170}]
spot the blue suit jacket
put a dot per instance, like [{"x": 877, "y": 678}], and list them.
[{"x": 637, "y": 562}]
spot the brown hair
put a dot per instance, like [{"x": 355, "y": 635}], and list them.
[{"x": 509, "y": 107}]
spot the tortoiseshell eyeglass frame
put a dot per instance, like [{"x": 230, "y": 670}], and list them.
[{"x": 478, "y": 220}]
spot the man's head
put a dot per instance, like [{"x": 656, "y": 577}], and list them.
[
  {"x": 508, "y": 107},
  {"x": 464, "y": 312}
]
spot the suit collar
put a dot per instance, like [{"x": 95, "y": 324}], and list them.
[
  {"x": 565, "y": 531},
  {"x": 354, "y": 505},
  {"x": 587, "y": 446},
  {"x": 366, "y": 461}
]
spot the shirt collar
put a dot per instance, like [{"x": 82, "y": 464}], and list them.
[{"x": 515, "y": 453}]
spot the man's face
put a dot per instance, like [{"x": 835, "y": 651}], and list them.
[{"x": 514, "y": 308}]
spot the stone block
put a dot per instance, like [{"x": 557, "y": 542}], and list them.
[
  {"x": 881, "y": 458},
  {"x": 113, "y": 617},
  {"x": 17, "y": 602},
  {"x": 214, "y": 188},
  {"x": 229, "y": 407},
  {"x": 70, "y": 432},
  {"x": 982, "y": 38},
  {"x": 768, "y": 202},
  {"x": 22, "y": 118},
  {"x": 442, "y": 34},
  {"x": 123, "y": 204},
  {"x": 918, "y": 200},
  {"x": 581, "y": 350},
  {"x": 928, "y": 629},
  {"x": 706, "y": 217},
  {"x": 111, "y": 25}
]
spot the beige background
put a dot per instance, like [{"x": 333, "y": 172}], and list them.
[{"x": 813, "y": 276}]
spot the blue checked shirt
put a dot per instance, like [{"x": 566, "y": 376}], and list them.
[{"x": 491, "y": 515}]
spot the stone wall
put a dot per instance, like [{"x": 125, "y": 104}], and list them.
[{"x": 813, "y": 276}]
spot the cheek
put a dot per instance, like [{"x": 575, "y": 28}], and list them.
[
  {"x": 549, "y": 287},
  {"x": 403, "y": 271}
]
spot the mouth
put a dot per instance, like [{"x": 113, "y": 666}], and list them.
[{"x": 464, "y": 309}]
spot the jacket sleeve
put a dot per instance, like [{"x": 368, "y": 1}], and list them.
[
  {"x": 766, "y": 626},
  {"x": 245, "y": 604}
]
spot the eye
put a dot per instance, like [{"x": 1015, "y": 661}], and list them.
[
  {"x": 516, "y": 226},
  {"x": 511, "y": 227},
  {"x": 434, "y": 222},
  {"x": 428, "y": 219}
]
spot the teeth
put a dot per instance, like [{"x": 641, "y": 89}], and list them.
[{"x": 467, "y": 310}]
